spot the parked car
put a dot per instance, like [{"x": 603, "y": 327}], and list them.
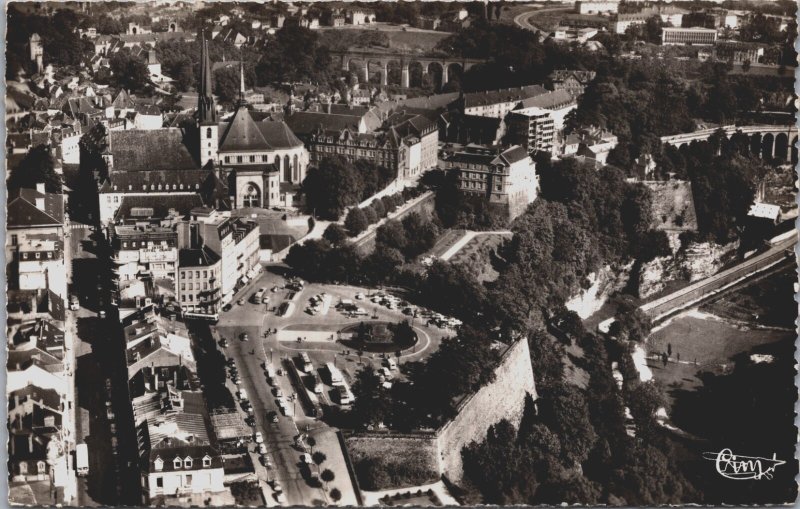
[
  {"x": 244, "y": 336},
  {"x": 223, "y": 343},
  {"x": 259, "y": 437},
  {"x": 305, "y": 458},
  {"x": 241, "y": 301},
  {"x": 74, "y": 303},
  {"x": 262, "y": 449}
]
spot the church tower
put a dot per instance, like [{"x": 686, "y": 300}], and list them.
[{"x": 206, "y": 111}]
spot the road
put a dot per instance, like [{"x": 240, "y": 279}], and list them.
[
  {"x": 523, "y": 19},
  {"x": 694, "y": 293},
  {"x": 250, "y": 357}
]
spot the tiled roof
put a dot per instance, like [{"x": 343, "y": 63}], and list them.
[
  {"x": 177, "y": 180},
  {"x": 304, "y": 123},
  {"x": 147, "y": 150},
  {"x": 47, "y": 397},
  {"x": 505, "y": 95},
  {"x": 514, "y": 154},
  {"x": 158, "y": 206},
  {"x": 22, "y": 211},
  {"x": 197, "y": 257},
  {"x": 551, "y": 100},
  {"x": 242, "y": 134},
  {"x": 278, "y": 134}
]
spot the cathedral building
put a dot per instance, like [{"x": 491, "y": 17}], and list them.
[
  {"x": 234, "y": 163},
  {"x": 264, "y": 162}
]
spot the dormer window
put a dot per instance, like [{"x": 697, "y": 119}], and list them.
[
  {"x": 177, "y": 463},
  {"x": 187, "y": 463},
  {"x": 206, "y": 461},
  {"x": 159, "y": 464}
]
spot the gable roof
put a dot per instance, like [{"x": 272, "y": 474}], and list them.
[
  {"x": 278, "y": 135},
  {"x": 305, "y": 122},
  {"x": 549, "y": 101},
  {"x": 158, "y": 206},
  {"x": 148, "y": 150},
  {"x": 502, "y": 96},
  {"x": 22, "y": 210},
  {"x": 242, "y": 134}
]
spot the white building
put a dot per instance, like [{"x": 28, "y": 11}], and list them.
[{"x": 602, "y": 7}]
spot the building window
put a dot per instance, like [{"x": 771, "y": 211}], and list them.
[
  {"x": 38, "y": 255},
  {"x": 206, "y": 462},
  {"x": 205, "y": 273},
  {"x": 159, "y": 482},
  {"x": 208, "y": 133},
  {"x": 189, "y": 480},
  {"x": 252, "y": 159},
  {"x": 227, "y": 159},
  {"x": 197, "y": 274},
  {"x": 191, "y": 286},
  {"x": 183, "y": 287},
  {"x": 13, "y": 240},
  {"x": 187, "y": 463},
  {"x": 159, "y": 464},
  {"x": 238, "y": 159}
]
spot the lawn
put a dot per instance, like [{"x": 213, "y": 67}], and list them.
[
  {"x": 767, "y": 301},
  {"x": 476, "y": 254},
  {"x": 444, "y": 242},
  {"x": 703, "y": 344}
]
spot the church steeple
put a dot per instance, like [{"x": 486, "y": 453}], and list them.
[
  {"x": 206, "y": 112},
  {"x": 242, "y": 102}
]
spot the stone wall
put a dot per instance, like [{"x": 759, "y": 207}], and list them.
[
  {"x": 440, "y": 452},
  {"x": 502, "y": 399}
]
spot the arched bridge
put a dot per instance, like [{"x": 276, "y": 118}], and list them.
[
  {"x": 363, "y": 58},
  {"x": 766, "y": 141}
]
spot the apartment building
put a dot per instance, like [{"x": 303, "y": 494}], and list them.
[
  {"x": 506, "y": 178},
  {"x": 694, "y": 36}
]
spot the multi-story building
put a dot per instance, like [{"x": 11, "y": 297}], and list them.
[
  {"x": 669, "y": 15},
  {"x": 694, "y": 36},
  {"x": 505, "y": 178},
  {"x": 198, "y": 288},
  {"x": 738, "y": 52},
  {"x": 383, "y": 148},
  {"x": 575, "y": 82},
  {"x": 534, "y": 130},
  {"x": 591, "y": 143},
  {"x": 558, "y": 102},
  {"x": 496, "y": 103},
  {"x": 143, "y": 251},
  {"x": 233, "y": 240},
  {"x": 597, "y": 6}
]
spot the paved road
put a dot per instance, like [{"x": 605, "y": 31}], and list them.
[
  {"x": 254, "y": 319},
  {"x": 523, "y": 19},
  {"x": 695, "y": 292}
]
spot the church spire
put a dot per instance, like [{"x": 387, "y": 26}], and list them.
[
  {"x": 206, "y": 112},
  {"x": 241, "y": 83}
]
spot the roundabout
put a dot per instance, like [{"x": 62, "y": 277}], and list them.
[{"x": 379, "y": 337}]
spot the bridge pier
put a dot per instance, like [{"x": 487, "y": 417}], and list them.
[
  {"x": 404, "y": 75},
  {"x": 384, "y": 74},
  {"x": 366, "y": 72},
  {"x": 445, "y": 79}
]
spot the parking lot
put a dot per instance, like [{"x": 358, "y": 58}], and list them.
[{"x": 266, "y": 333}]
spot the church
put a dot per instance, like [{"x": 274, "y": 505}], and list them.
[
  {"x": 236, "y": 163},
  {"x": 264, "y": 162}
]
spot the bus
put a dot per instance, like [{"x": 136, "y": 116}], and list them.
[
  {"x": 305, "y": 361},
  {"x": 335, "y": 374}
]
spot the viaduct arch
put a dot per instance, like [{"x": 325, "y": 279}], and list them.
[
  {"x": 382, "y": 59},
  {"x": 768, "y": 141}
]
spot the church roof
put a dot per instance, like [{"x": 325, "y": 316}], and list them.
[
  {"x": 278, "y": 134},
  {"x": 242, "y": 134}
]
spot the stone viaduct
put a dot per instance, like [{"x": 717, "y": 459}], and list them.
[
  {"x": 767, "y": 141},
  {"x": 382, "y": 59}
]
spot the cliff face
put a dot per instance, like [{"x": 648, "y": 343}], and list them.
[
  {"x": 697, "y": 261},
  {"x": 605, "y": 282}
]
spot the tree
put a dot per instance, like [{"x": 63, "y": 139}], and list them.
[
  {"x": 129, "y": 71},
  {"x": 644, "y": 401},
  {"x": 336, "y": 234},
  {"x": 565, "y": 410},
  {"x": 227, "y": 82},
  {"x": 373, "y": 403},
  {"x": 746, "y": 66},
  {"x": 335, "y": 494},
  {"x": 391, "y": 234},
  {"x": 356, "y": 221},
  {"x": 319, "y": 457},
  {"x": 36, "y": 167},
  {"x": 370, "y": 215},
  {"x": 327, "y": 475},
  {"x": 331, "y": 187}
]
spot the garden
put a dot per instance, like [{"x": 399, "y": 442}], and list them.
[{"x": 379, "y": 337}]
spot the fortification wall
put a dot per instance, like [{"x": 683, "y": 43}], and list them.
[
  {"x": 502, "y": 399},
  {"x": 425, "y": 456}
]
